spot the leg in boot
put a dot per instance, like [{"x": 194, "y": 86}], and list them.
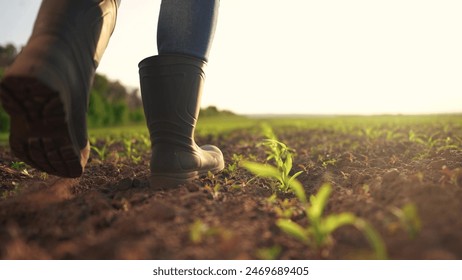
[
  {"x": 45, "y": 90},
  {"x": 171, "y": 87}
]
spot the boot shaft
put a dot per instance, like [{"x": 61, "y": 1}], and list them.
[
  {"x": 82, "y": 24},
  {"x": 171, "y": 88}
]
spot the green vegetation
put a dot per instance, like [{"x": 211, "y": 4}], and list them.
[
  {"x": 213, "y": 111},
  {"x": 271, "y": 253},
  {"x": 283, "y": 159},
  {"x": 409, "y": 219},
  {"x": 318, "y": 233},
  {"x": 324, "y": 180},
  {"x": 21, "y": 167},
  {"x": 111, "y": 104},
  {"x": 200, "y": 231},
  {"x": 319, "y": 187}
]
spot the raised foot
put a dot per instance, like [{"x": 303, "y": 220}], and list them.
[{"x": 39, "y": 133}]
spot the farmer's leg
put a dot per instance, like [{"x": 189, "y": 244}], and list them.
[
  {"x": 187, "y": 27},
  {"x": 171, "y": 87}
]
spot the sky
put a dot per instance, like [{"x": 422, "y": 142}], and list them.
[{"x": 301, "y": 56}]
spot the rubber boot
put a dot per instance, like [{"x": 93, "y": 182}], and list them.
[
  {"x": 45, "y": 91},
  {"x": 171, "y": 87}
]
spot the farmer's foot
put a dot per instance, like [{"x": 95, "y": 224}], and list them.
[
  {"x": 40, "y": 134},
  {"x": 45, "y": 91},
  {"x": 171, "y": 87},
  {"x": 173, "y": 165}
]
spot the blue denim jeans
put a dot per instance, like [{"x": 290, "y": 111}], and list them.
[{"x": 187, "y": 27}]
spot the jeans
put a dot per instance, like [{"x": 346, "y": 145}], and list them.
[{"x": 187, "y": 27}]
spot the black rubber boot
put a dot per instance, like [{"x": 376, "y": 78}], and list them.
[
  {"x": 171, "y": 87},
  {"x": 45, "y": 90}
]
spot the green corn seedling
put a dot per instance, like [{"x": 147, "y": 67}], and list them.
[
  {"x": 199, "y": 231},
  {"x": 101, "y": 152},
  {"x": 104, "y": 150},
  {"x": 18, "y": 165},
  {"x": 282, "y": 156},
  {"x": 232, "y": 167},
  {"x": 409, "y": 219},
  {"x": 128, "y": 144},
  {"x": 271, "y": 253},
  {"x": 318, "y": 233},
  {"x": 130, "y": 150},
  {"x": 286, "y": 208},
  {"x": 21, "y": 167}
]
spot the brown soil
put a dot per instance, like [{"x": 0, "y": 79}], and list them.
[{"x": 111, "y": 213}]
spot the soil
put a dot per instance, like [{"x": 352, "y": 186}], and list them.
[{"x": 112, "y": 213}]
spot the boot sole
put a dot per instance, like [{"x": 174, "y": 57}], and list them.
[{"x": 39, "y": 132}]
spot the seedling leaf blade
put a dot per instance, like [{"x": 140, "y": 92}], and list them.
[
  {"x": 288, "y": 165},
  {"x": 262, "y": 170},
  {"x": 373, "y": 237},
  {"x": 409, "y": 219},
  {"x": 412, "y": 219},
  {"x": 293, "y": 229},
  {"x": 332, "y": 222},
  {"x": 297, "y": 188},
  {"x": 319, "y": 202}
]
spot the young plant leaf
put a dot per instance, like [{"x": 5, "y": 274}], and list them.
[
  {"x": 373, "y": 237},
  {"x": 297, "y": 188},
  {"x": 262, "y": 170},
  {"x": 293, "y": 229},
  {"x": 288, "y": 165},
  {"x": 319, "y": 202},
  {"x": 409, "y": 219},
  {"x": 332, "y": 222}
]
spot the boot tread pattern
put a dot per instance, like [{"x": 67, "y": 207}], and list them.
[{"x": 39, "y": 133}]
